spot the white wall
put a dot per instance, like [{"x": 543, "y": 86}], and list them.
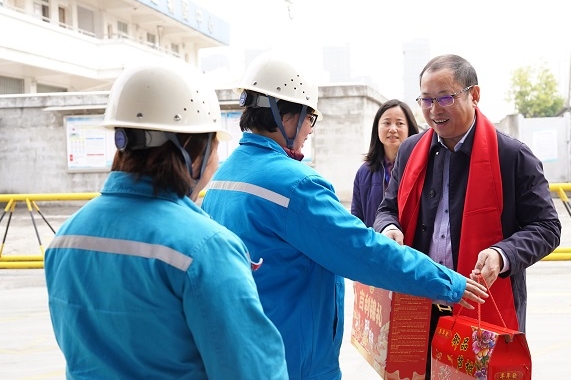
[{"x": 549, "y": 138}]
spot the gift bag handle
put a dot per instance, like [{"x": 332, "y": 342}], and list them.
[{"x": 480, "y": 277}]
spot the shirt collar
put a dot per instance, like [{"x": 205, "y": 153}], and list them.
[{"x": 459, "y": 143}]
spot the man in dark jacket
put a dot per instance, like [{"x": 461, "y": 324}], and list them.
[{"x": 469, "y": 196}]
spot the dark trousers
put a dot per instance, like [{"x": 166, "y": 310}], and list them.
[{"x": 434, "y": 316}]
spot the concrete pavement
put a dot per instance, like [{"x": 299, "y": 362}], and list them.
[{"x": 28, "y": 350}]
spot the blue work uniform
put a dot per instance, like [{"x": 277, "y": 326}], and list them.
[
  {"x": 145, "y": 286},
  {"x": 289, "y": 215}
]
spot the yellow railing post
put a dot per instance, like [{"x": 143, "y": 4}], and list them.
[
  {"x": 9, "y": 208},
  {"x": 561, "y": 253},
  {"x": 559, "y": 188}
]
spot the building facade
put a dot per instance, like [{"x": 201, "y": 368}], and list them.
[
  {"x": 83, "y": 45},
  {"x": 59, "y": 58}
]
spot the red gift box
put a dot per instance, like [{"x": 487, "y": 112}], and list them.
[
  {"x": 390, "y": 330},
  {"x": 466, "y": 348}
]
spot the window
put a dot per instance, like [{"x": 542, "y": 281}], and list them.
[
  {"x": 175, "y": 49},
  {"x": 11, "y": 85},
  {"x": 123, "y": 28},
  {"x": 62, "y": 17},
  {"x": 85, "y": 21},
  {"x": 42, "y": 10},
  {"x": 44, "y": 88},
  {"x": 151, "y": 40}
]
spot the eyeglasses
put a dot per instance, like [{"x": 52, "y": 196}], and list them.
[
  {"x": 443, "y": 101},
  {"x": 312, "y": 119}
]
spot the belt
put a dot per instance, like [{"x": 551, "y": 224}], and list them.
[{"x": 444, "y": 309}]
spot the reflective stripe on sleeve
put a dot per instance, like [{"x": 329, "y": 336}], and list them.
[
  {"x": 123, "y": 247},
  {"x": 258, "y": 191}
]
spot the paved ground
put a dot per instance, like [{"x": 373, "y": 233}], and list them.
[{"x": 28, "y": 350}]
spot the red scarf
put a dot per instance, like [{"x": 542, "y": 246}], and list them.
[{"x": 481, "y": 220}]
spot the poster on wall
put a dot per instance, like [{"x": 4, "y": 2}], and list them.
[
  {"x": 90, "y": 147},
  {"x": 544, "y": 145}
]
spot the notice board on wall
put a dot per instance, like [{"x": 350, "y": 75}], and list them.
[{"x": 90, "y": 147}]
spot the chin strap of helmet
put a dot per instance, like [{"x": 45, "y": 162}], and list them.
[
  {"x": 206, "y": 155},
  {"x": 278, "y": 120},
  {"x": 188, "y": 161}
]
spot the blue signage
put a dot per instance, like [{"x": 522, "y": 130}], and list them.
[{"x": 193, "y": 16}]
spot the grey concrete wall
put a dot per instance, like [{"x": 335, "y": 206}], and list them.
[
  {"x": 342, "y": 139},
  {"x": 33, "y": 143},
  {"x": 549, "y": 138}
]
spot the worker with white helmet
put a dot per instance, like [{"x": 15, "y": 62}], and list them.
[
  {"x": 142, "y": 284},
  {"x": 289, "y": 216},
  {"x": 269, "y": 80}
]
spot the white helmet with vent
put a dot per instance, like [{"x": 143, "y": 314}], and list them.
[
  {"x": 171, "y": 97},
  {"x": 272, "y": 76}
]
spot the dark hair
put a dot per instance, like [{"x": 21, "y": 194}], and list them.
[
  {"x": 165, "y": 164},
  {"x": 376, "y": 154},
  {"x": 464, "y": 72},
  {"x": 262, "y": 118}
]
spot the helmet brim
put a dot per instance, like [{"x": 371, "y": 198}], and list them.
[{"x": 221, "y": 134}]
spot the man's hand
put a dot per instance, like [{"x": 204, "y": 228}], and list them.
[
  {"x": 489, "y": 265},
  {"x": 474, "y": 292},
  {"x": 394, "y": 234}
]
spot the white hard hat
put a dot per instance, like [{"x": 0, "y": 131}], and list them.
[
  {"x": 273, "y": 76},
  {"x": 169, "y": 97}
]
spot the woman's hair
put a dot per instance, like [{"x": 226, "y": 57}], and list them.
[
  {"x": 464, "y": 72},
  {"x": 164, "y": 164},
  {"x": 261, "y": 118},
  {"x": 374, "y": 158}
]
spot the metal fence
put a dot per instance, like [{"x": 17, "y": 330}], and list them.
[{"x": 22, "y": 261}]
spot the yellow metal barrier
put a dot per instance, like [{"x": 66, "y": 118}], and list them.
[
  {"x": 561, "y": 253},
  {"x": 560, "y": 189},
  {"x": 31, "y": 261},
  {"x": 37, "y": 261}
]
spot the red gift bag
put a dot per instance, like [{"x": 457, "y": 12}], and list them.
[
  {"x": 467, "y": 348},
  {"x": 390, "y": 330}
]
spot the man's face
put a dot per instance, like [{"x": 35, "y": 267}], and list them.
[{"x": 453, "y": 121}]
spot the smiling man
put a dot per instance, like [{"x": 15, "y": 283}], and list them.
[{"x": 472, "y": 198}]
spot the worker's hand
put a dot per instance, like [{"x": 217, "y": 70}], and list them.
[
  {"x": 489, "y": 265},
  {"x": 395, "y": 234},
  {"x": 474, "y": 292}
]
